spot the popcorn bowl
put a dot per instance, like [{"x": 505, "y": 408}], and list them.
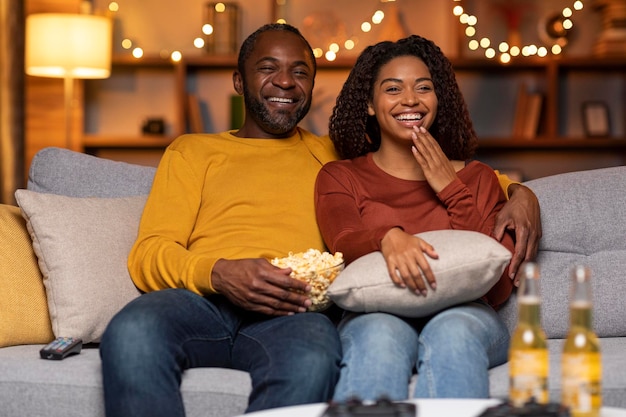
[
  {"x": 319, "y": 269},
  {"x": 319, "y": 281}
]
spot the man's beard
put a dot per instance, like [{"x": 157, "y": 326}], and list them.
[{"x": 278, "y": 122}]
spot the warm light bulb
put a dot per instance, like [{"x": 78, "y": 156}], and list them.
[
  {"x": 176, "y": 56},
  {"x": 207, "y": 29},
  {"x": 198, "y": 43},
  {"x": 330, "y": 56},
  {"x": 137, "y": 52},
  {"x": 378, "y": 17},
  {"x": 366, "y": 27}
]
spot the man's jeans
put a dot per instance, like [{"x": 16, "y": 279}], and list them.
[
  {"x": 452, "y": 352},
  {"x": 147, "y": 346}
]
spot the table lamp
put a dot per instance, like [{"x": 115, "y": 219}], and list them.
[{"x": 68, "y": 46}]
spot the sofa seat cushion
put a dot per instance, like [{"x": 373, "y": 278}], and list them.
[
  {"x": 24, "y": 315},
  {"x": 30, "y": 386}
]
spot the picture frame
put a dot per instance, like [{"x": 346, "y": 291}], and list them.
[{"x": 596, "y": 120}]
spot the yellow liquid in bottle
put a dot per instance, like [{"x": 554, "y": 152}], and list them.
[
  {"x": 582, "y": 365},
  {"x": 528, "y": 356}
]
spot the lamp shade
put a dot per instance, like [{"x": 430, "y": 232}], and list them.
[{"x": 62, "y": 45}]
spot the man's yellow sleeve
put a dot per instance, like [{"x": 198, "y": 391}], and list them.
[{"x": 505, "y": 182}]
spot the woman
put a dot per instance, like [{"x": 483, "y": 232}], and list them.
[{"x": 402, "y": 126}]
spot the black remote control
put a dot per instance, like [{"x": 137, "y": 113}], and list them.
[
  {"x": 381, "y": 408},
  {"x": 61, "y": 348}
]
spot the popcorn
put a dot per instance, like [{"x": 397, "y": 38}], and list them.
[{"x": 319, "y": 269}]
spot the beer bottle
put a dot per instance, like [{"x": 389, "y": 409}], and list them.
[
  {"x": 581, "y": 363},
  {"x": 528, "y": 352}
]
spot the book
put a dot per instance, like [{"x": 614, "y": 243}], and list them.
[
  {"x": 534, "y": 102},
  {"x": 527, "y": 113},
  {"x": 194, "y": 114},
  {"x": 237, "y": 111},
  {"x": 520, "y": 111}
]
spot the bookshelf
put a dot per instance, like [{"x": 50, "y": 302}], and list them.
[{"x": 559, "y": 128}]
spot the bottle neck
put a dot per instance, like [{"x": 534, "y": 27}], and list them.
[
  {"x": 529, "y": 311},
  {"x": 580, "y": 314},
  {"x": 580, "y": 298}
]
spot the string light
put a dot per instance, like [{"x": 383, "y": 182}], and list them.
[
  {"x": 502, "y": 50},
  {"x": 506, "y": 51},
  {"x": 175, "y": 56}
]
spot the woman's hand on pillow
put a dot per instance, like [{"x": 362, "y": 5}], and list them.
[{"x": 405, "y": 256}]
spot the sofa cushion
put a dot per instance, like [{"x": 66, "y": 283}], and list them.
[
  {"x": 82, "y": 245},
  {"x": 469, "y": 264},
  {"x": 72, "y": 387},
  {"x": 74, "y": 174},
  {"x": 583, "y": 218},
  {"x": 24, "y": 315}
]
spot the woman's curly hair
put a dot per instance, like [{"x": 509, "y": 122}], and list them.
[{"x": 356, "y": 133}]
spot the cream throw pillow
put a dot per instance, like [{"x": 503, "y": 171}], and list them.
[
  {"x": 469, "y": 264},
  {"x": 82, "y": 246},
  {"x": 24, "y": 318}
]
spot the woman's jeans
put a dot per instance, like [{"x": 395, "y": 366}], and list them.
[
  {"x": 147, "y": 346},
  {"x": 451, "y": 351}
]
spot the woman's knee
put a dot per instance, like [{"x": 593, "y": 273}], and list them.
[
  {"x": 378, "y": 335},
  {"x": 470, "y": 329}
]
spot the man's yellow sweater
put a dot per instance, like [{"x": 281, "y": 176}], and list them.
[{"x": 219, "y": 196}]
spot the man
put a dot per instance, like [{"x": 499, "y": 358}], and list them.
[{"x": 221, "y": 205}]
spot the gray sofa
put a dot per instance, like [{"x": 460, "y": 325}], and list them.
[{"x": 583, "y": 215}]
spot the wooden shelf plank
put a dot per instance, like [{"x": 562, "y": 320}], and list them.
[
  {"x": 145, "y": 141},
  {"x": 552, "y": 143},
  {"x": 531, "y": 63}
]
